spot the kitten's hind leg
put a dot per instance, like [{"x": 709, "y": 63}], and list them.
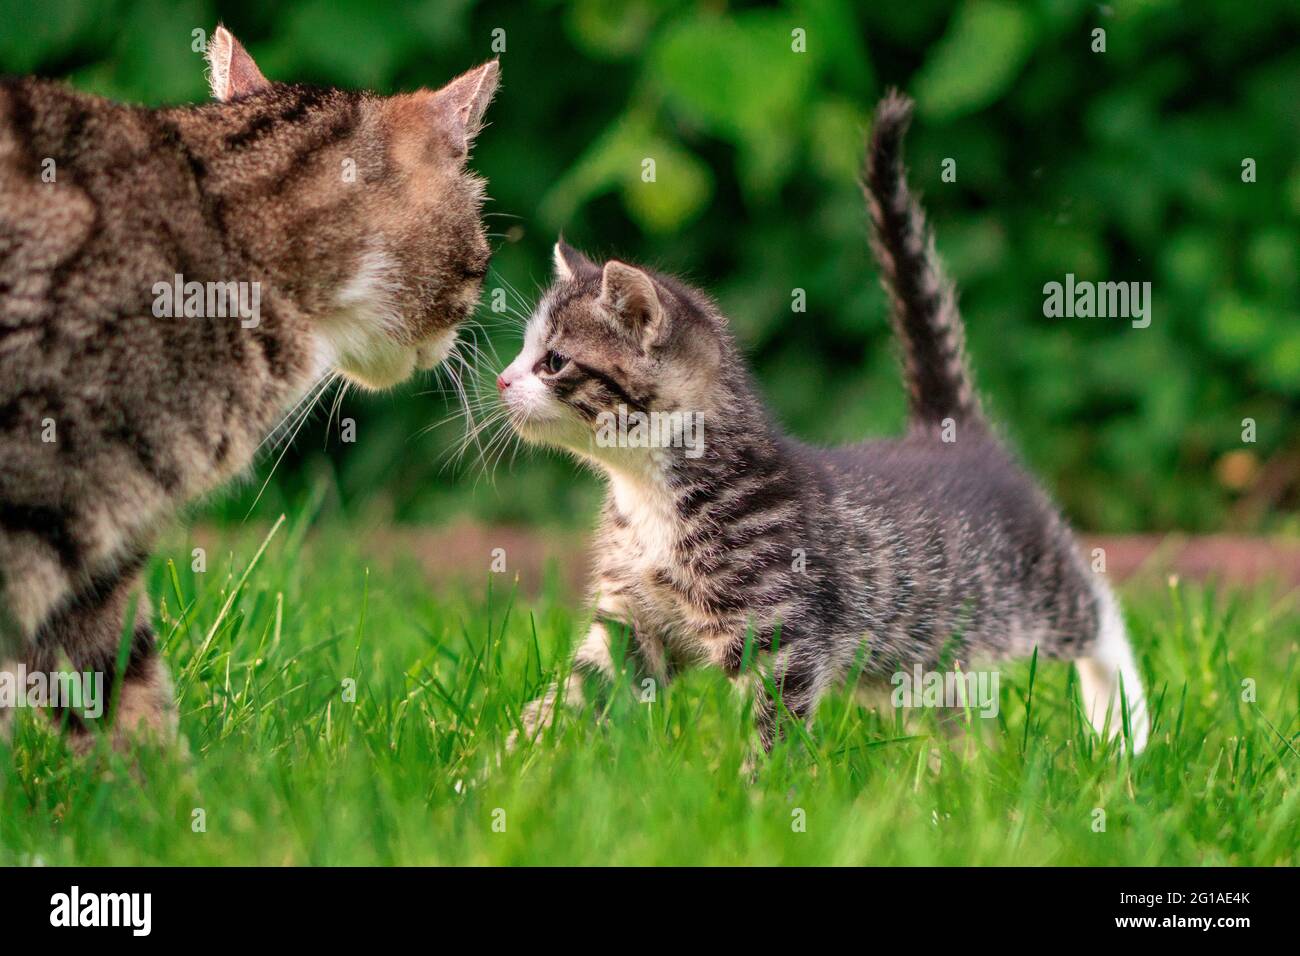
[
  {"x": 800, "y": 673},
  {"x": 1109, "y": 678}
]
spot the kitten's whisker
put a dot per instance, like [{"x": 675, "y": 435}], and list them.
[
  {"x": 509, "y": 287},
  {"x": 511, "y": 441},
  {"x": 488, "y": 425},
  {"x": 478, "y": 428},
  {"x": 496, "y": 447},
  {"x": 480, "y": 358}
]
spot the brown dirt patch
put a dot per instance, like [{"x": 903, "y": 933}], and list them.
[{"x": 464, "y": 552}]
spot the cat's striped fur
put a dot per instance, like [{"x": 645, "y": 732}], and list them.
[
  {"x": 915, "y": 550},
  {"x": 352, "y": 214}
]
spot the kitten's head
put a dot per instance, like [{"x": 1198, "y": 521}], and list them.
[
  {"x": 611, "y": 339},
  {"x": 394, "y": 241}
]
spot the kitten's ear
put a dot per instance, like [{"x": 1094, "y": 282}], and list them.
[
  {"x": 569, "y": 262},
  {"x": 460, "y": 104},
  {"x": 231, "y": 71},
  {"x": 630, "y": 295}
]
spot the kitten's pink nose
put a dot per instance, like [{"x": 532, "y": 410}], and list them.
[{"x": 502, "y": 384}]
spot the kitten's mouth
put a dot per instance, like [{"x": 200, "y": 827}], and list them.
[
  {"x": 527, "y": 425},
  {"x": 533, "y": 426},
  {"x": 560, "y": 432}
]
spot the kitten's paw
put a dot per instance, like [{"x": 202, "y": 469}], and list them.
[
  {"x": 536, "y": 717},
  {"x": 539, "y": 714}
]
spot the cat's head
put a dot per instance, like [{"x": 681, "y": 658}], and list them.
[
  {"x": 610, "y": 341},
  {"x": 393, "y": 252}
]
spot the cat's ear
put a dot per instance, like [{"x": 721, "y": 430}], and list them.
[
  {"x": 630, "y": 295},
  {"x": 460, "y": 105},
  {"x": 231, "y": 71},
  {"x": 570, "y": 263}
]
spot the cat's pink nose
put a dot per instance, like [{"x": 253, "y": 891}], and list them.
[{"x": 502, "y": 384}]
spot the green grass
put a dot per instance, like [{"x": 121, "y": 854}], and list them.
[{"x": 287, "y": 772}]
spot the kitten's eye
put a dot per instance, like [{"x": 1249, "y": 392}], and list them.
[{"x": 552, "y": 363}]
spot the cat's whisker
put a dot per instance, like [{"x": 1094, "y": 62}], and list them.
[
  {"x": 525, "y": 305},
  {"x": 477, "y": 347},
  {"x": 454, "y": 374},
  {"x": 276, "y": 433},
  {"x": 336, "y": 408},
  {"x": 307, "y": 409}
]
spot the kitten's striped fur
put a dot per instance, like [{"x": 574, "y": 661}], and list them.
[
  {"x": 912, "y": 550},
  {"x": 355, "y": 216}
]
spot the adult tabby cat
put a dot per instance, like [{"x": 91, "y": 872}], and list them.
[
  {"x": 909, "y": 550},
  {"x": 171, "y": 282}
]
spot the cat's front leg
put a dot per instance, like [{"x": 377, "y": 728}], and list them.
[
  {"x": 137, "y": 701},
  {"x": 145, "y": 707}
]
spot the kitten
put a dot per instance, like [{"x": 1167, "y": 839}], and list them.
[
  {"x": 172, "y": 281},
  {"x": 903, "y": 549}
]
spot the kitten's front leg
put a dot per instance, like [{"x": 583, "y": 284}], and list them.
[
  {"x": 591, "y": 661},
  {"x": 594, "y": 666}
]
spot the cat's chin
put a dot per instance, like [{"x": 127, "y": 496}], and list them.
[
  {"x": 393, "y": 365},
  {"x": 434, "y": 351},
  {"x": 379, "y": 373}
]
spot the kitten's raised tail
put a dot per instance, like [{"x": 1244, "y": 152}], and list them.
[{"x": 924, "y": 302}]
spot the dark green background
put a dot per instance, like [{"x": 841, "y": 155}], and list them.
[{"x": 1123, "y": 165}]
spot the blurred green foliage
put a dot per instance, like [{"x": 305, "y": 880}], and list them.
[{"x": 1124, "y": 165}]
